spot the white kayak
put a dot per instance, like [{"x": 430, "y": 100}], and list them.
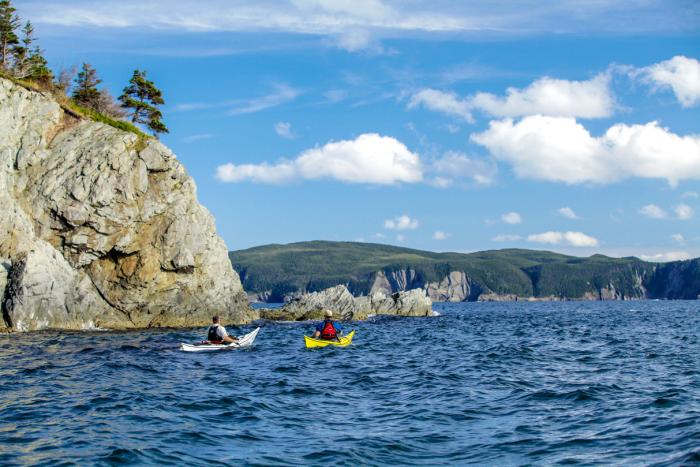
[{"x": 243, "y": 341}]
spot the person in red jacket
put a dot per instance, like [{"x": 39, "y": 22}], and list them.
[{"x": 328, "y": 329}]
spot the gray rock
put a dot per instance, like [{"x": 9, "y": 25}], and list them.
[
  {"x": 346, "y": 307},
  {"x": 103, "y": 230}
]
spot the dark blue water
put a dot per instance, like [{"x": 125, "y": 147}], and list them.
[{"x": 489, "y": 383}]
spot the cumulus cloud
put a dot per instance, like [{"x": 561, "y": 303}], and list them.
[
  {"x": 455, "y": 166},
  {"x": 369, "y": 158},
  {"x": 506, "y": 238},
  {"x": 666, "y": 256},
  {"x": 284, "y": 129},
  {"x": 653, "y": 211},
  {"x": 403, "y": 222},
  {"x": 683, "y": 212},
  {"x": 553, "y": 97},
  {"x": 546, "y": 96},
  {"x": 567, "y": 212},
  {"x": 400, "y": 238},
  {"x": 440, "y": 235},
  {"x": 444, "y": 102},
  {"x": 680, "y": 74},
  {"x": 576, "y": 239},
  {"x": 512, "y": 218},
  {"x": 560, "y": 149}
]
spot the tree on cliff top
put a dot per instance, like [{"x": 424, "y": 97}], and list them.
[
  {"x": 28, "y": 59},
  {"x": 85, "y": 92},
  {"x": 142, "y": 97},
  {"x": 9, "y": 22}
]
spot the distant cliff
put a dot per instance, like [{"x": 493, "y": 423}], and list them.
[
  {"x": 101, "y": 228},
  {"x": 276, "y": 273}
]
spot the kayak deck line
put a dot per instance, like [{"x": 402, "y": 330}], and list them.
[
  {"x": 242, "y": 342},
  {"x": 344, "y": 341}
]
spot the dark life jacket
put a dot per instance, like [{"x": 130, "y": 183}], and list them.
[
  {"x": 212, "y": 336},
  {"x": 328, "y": 331}
]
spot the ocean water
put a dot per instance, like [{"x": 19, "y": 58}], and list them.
[{"x": 580, "y": 383}]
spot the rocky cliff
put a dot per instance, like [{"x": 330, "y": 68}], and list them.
[{"x": 101, "y": 227}]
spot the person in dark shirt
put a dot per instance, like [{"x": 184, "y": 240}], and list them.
[{"x": 217, "y": 333}]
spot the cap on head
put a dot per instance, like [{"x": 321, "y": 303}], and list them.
[
  {"x": 328, "y": 314},
  {"x": 215, "y": 319}
]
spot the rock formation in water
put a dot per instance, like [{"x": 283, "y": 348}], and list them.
[
  {"x": 344, "y": 306},
  {"x": 101, "y": 228}
]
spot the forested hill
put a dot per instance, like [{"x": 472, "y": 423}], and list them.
[{"x": 277, "y": 272}]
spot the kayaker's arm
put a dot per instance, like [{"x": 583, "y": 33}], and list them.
[
  {"x": 229, "y": 339},
  {"x": 317, "y": 334}
]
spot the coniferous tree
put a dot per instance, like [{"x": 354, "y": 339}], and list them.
[
  {"x": 85, "y": 92},
  {"x": 9, "y": 22},
  {"x": 29, "y": 61},
  {"x": 142, "y": 97}
]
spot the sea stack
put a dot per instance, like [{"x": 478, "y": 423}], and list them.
[{"x": 101, "y": 227}]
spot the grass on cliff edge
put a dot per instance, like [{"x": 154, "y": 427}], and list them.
[{"x": 72, "y": 108}]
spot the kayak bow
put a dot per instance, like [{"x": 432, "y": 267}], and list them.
[{"x": 344, "y": 341}]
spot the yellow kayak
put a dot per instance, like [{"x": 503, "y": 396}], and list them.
[{"x": 343, "y": 342}]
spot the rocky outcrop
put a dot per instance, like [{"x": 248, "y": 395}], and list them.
[
  {"x": 344, "y": 306},
  {"x": 102, "y": 227}
]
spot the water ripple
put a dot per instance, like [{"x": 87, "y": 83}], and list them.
[{"x": 483, "y": 383}]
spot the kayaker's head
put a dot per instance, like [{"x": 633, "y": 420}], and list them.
[
  {"x": 328, "y": 314},
  {"x": 215, "y": 319}
]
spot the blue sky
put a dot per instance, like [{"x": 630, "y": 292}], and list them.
[{"x": 447, "y": 126}]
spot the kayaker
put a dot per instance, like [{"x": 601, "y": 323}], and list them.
[
  {"x": 328, "y": 329},
  {"x": 217, "y": 333}
]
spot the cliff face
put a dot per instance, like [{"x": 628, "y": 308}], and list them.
[{"x": 101, "y": 229}]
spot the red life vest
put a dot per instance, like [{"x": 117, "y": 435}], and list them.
[{"x": 329, "y": 331}]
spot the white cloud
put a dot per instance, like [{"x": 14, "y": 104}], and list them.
[
  {"x": 683, "y": 212},
  {"x": 666, "y": 256},
  {"x": 553, "y": 97},
  {"x": 400, "y": 238},
  {"x": 690, "y": 194},
  {"x": 576, "y": 239},
  {"x": 281, "y": 94},
  {"x": 678, "y": 238},
  {"x": 511, "y": 218},
  {"x": 402, "y": 222},
  {"x": 445, "y": 102},
  {"x": 194, "y": 138},
  {"x": 369, "y": 158},
  {"x": 452, "y": 128},
  {"x": 653, "y": 211},
  {"x": 560, "y": 149},
  {"x": 284, "y": 129},
  {"x": 568, "y": 213},
  {"x": 440, "y": 235},
  {"x": 506, "y": 238},
  {"x": 380, "y": 235},
  {"x": 681, "y": 74},
  {"x": 455, "y": 166},
  {"x": 546, "y": 96}
]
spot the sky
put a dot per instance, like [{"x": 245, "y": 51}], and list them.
[{"x": 571, "y": 126}]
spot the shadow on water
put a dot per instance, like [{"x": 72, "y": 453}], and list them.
[{"x": 483, "y": 383}]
